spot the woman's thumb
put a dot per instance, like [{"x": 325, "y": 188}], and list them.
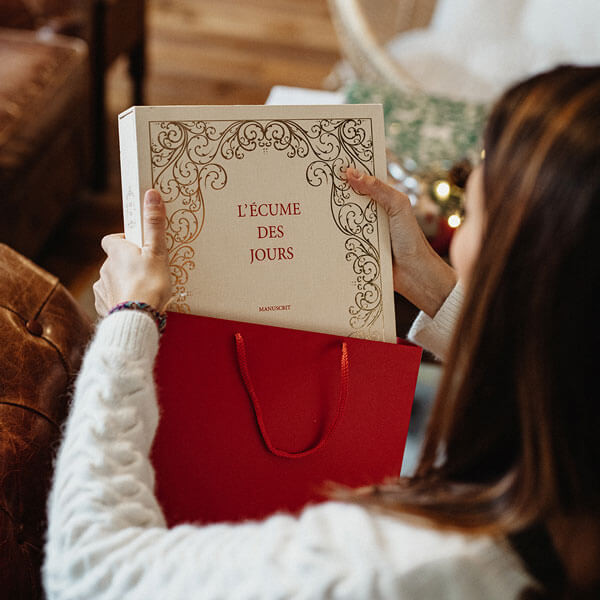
[{"x": 155, "y": 221}]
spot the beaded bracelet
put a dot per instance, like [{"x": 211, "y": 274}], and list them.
[{"x": 159, "y": 318}]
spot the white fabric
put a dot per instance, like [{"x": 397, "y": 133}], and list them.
[
  {"x": 566, "y": 29},
  {"x": 489, "y": 17},
  {"x": 285, "y": 94},
  {"x": 107, "y": 537},
  {"x": 435, "y": 334},
  {"x": 473, "y": 50}
]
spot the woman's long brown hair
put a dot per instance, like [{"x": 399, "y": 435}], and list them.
[{"x": 514, "y": 435}]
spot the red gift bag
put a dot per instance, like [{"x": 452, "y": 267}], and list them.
[{"x": 256, "y": 419}]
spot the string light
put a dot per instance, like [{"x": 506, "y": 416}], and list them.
[
  {"x": 439, "y": 191},
  {"x": 442, "y": 190},
  {"x": 454, "y": 221}
]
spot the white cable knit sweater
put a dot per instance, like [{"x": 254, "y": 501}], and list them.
[{"x": 107, "y": 537}]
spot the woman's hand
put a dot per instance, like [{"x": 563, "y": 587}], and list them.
[
  {"x": 132, "y": 273},
  {"x": 420, "y": 274}
]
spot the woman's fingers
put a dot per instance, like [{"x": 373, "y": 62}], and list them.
[
  {"x": 133, "y": 273},
  {"x": 108, "y": 241},
  {"x": 392, "y": 201},
  {"x": 155, "y": 222},
  {"x": 419, "y": 273},
  {"x": 99, "y": 298}
]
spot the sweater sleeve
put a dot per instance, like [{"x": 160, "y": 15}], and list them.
[
  {"x": 435, "y": 334},
  {"x": 107, "y": 538}
]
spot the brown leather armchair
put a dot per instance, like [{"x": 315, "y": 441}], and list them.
[
  {"x": 53, "y": 59},
  {"x": 43, "y": 333},
  {"x": 44, "y": 119},
  {"x": 66, "y": 17}
]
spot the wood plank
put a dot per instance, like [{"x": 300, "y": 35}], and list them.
[
  {"x": 268, "y": 7},
  {"x": 229, "y": 64},
  {"x": 305, "y": 30}
]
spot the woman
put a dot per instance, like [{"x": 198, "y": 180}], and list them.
[{"x": 506, "y": 500}]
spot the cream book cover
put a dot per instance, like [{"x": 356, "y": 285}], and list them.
[{"x": 262, "y": 224}]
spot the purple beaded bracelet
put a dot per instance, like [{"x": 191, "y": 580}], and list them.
[{"x": 159, "y": 318}]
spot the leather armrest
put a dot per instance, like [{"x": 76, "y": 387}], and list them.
[
  {"x": 63, "y": 17},
  {"x": 16, "y": 15},
  {"x": 43, "y": 332}
]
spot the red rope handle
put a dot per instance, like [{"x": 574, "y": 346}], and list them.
[{"x": 243, "y": 365}]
